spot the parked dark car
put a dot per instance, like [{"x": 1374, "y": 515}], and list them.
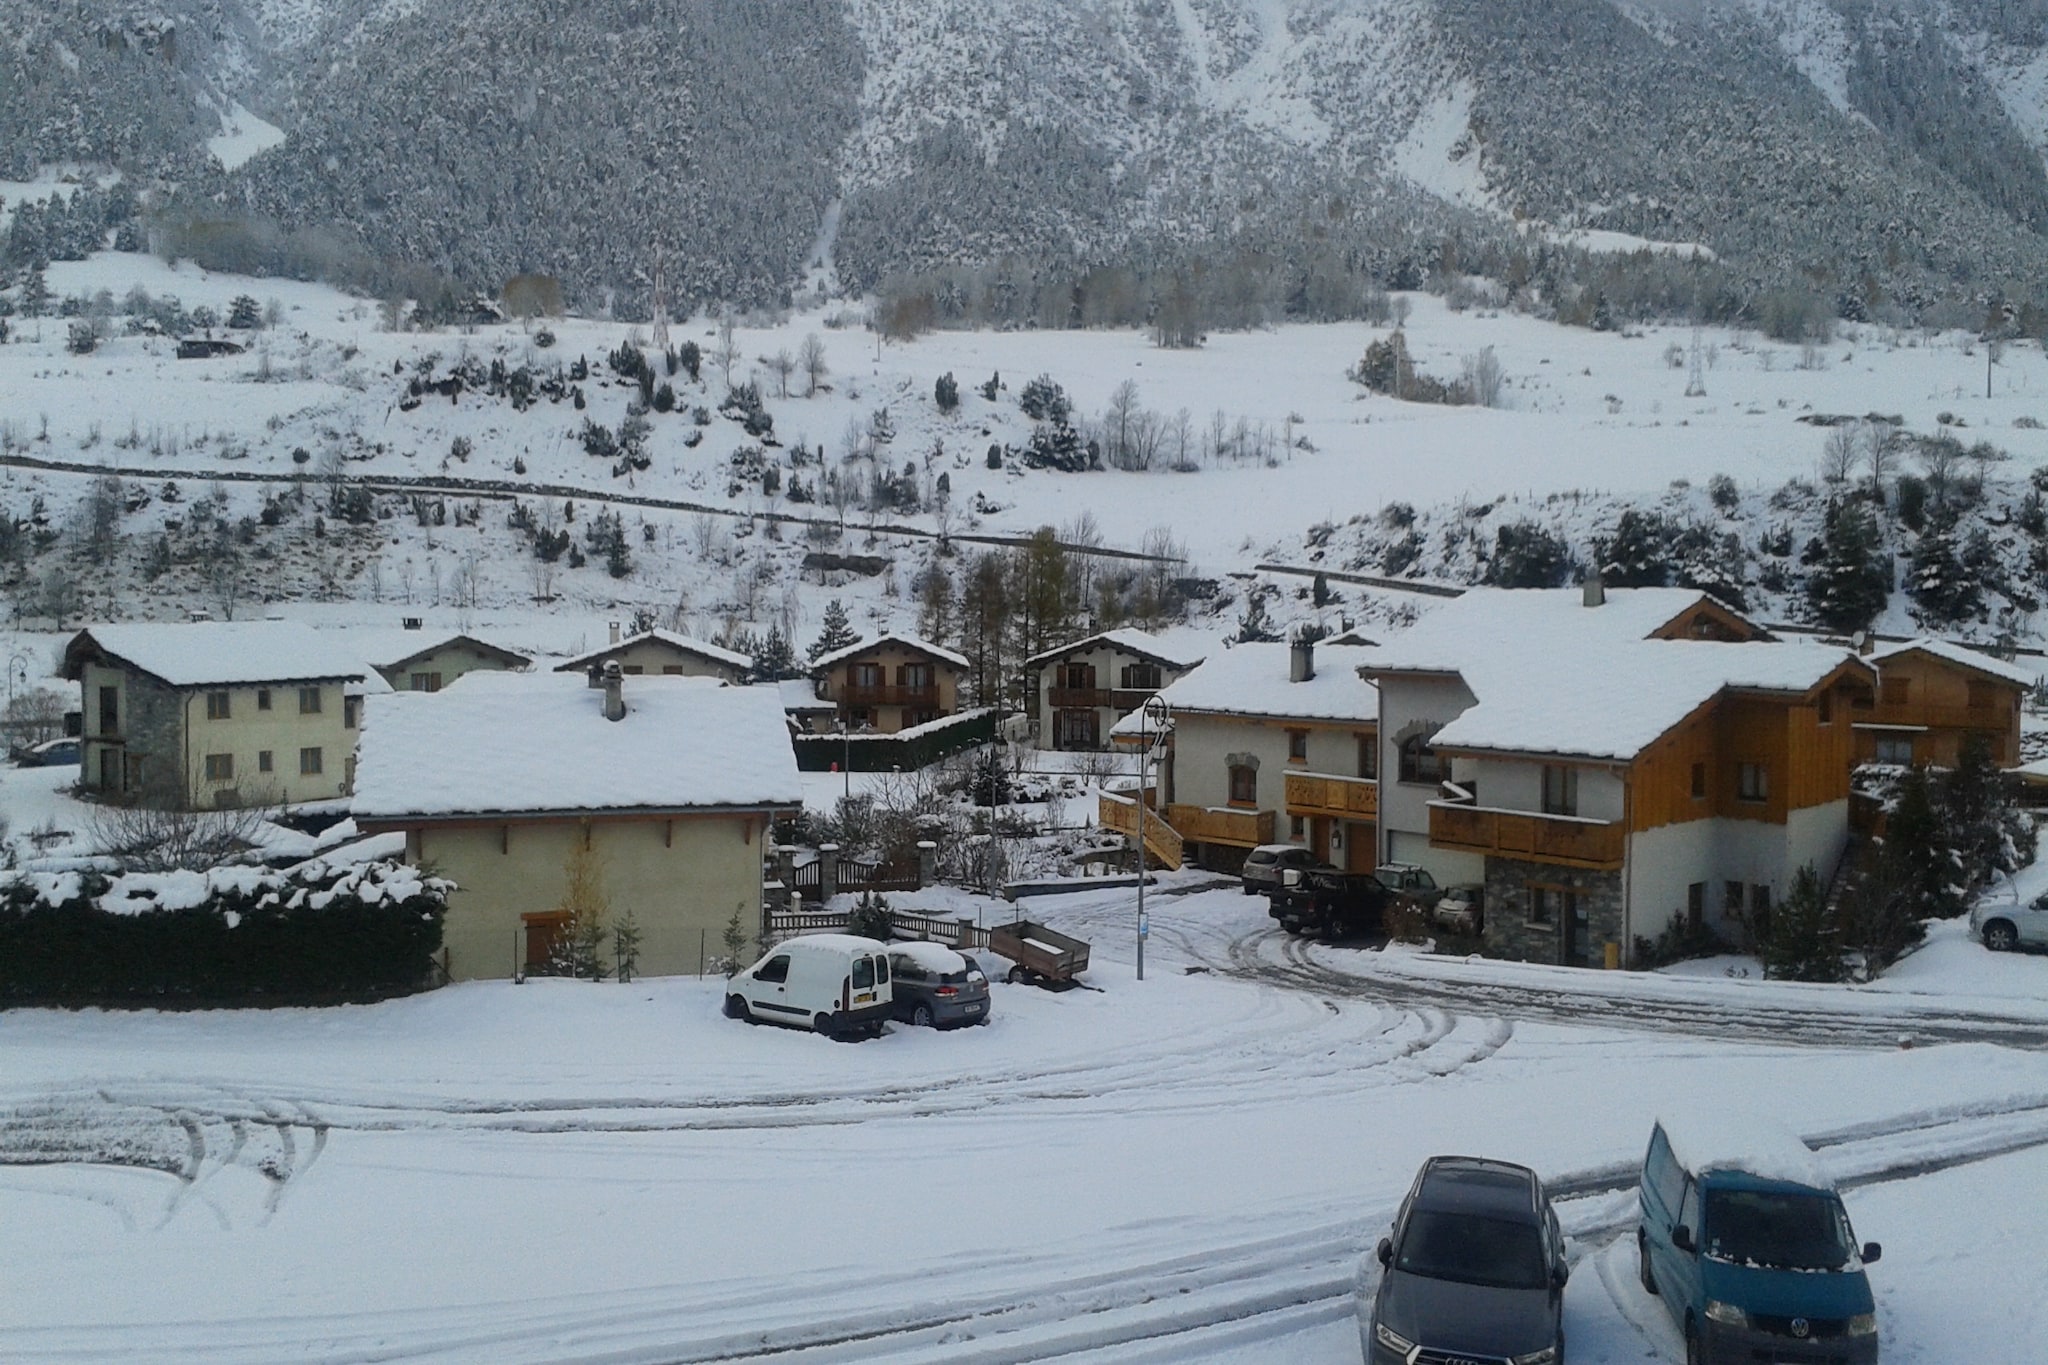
[
  {"x": 1325, "y": 901},
  {"x": 936, "y": 987},
  {"x": 1264, "y": 864},
  {"x": 1474, "y": 1269},
  {"x": 51, "y": 753}
]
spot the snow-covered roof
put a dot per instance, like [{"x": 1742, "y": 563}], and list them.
[
  {"x": 390, "y": 646},
  {"x": 1708, "y": 1140},
  {"x": 896, "y": 638},
  {"x": 1554, "y": 676},
  {"x": 1252, "y": 680},
  {"x": 1960, "y": 655},
  {"x": 801, "y": 694},
  {"x": 220, "y": 653},
  {"x": 686, "y": 643},
  {"x": 1141, "y": 643},
  {"x": 526, "y": 743}
]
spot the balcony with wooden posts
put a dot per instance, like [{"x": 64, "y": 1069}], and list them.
[
  {"x": 1122, "y": 700},
  {"x": 884, "y": 694},
  {"x": 1564, "y": 840},
  {"x": 1124, "y": 814},
  {"x": 1338, "y": 798}
]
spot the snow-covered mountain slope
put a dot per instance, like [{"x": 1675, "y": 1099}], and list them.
[{"x": 1889, "y": 151}]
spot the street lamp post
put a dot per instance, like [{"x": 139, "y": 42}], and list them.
[{"x": 1153, "y": 713}]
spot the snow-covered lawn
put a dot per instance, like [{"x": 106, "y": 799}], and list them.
[{"x": 1183, "y": 1169}]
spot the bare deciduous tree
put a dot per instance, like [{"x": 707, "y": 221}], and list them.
[
  {"x": 154, "y": 838},
  {"x": 811, "y": 356},
  {"x": 1840, "y": 454},
  {"x": 784, "y": 365},
  {"x": 1483, "y": 377}
]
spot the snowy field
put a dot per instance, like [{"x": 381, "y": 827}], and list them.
[
  {"x": 1583, "y": 413},
  {"x": 1183, "y": 1169}
]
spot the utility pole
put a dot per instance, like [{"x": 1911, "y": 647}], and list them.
[{"x": 1156, "y": 716}]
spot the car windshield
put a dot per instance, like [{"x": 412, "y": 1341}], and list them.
[
  {"x": 1772, "y": 1228},
  {"x": 1472, "y": 1249}
]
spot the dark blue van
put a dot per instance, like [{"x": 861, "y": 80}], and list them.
[{"x": 1745, "y": 1237}]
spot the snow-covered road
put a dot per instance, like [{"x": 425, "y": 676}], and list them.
[{"x": 1183, "y": 1169}]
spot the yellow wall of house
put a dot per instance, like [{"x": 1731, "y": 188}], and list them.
[
  {"x": 283, "y": 731},
  {"x": 681, "y": 879},
  {"x": 451, "y": 661}
]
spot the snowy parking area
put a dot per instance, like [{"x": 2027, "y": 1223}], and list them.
[{"x": 1187, "y": 1168}]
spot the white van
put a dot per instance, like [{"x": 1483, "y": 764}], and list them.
[{"x": 837, "y": 984}]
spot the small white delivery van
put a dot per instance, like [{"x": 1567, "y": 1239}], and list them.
[{"x": 837, "y": 984}]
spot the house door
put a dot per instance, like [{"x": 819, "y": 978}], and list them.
[
  {"x": 544, "y": 933},
  {"x": 1078, "y": 730},
  {"x": 1578, "y": 931},
  {"x": 110, "y": 771},
  {"x": 1319, "y": 838},
  {"x": 1360, "y": 843}
]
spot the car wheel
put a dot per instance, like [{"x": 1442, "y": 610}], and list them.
[
  {"x": 736, "y": 1008},
  {"x": 1643, "y": 1263},
  {"x": 922, "y": 1015},
  {"x": 1246, "y": 888},
  {"x": 2000, "y": 937},
  {"x": 825, "y": 1024},
  {"x": 1015, "y": 976}
]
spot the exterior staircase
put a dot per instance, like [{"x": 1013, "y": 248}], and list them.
[{"x": 1126, "y": 815}]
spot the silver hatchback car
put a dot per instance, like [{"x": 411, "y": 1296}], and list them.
[
  {"x": 2006, "y": 925},
  {"x": 936, "y": 987}
]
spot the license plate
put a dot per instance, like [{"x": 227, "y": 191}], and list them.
[
  {"x": 974, "y": 1009},
  {"x": 867, "y": 999}
]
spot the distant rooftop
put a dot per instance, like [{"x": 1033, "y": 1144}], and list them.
[{"x": 220, "y": 653}]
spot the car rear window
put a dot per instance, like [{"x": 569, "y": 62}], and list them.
[{"x": 863, "y": 973}]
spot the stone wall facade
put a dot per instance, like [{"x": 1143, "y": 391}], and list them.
[{"x": 1513, "y": 931}]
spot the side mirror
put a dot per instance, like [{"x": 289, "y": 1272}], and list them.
[
  {"x": 1681, "y": 1237},
  {"x": 1871, "y": 1253},
  {"x": 1386, "y": 1251},
  {"x": 1559, "y": 1273}
]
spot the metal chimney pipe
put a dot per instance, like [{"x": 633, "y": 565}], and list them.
[
  {"x": 614, "y": 691},
  {"x": 1301, "y": 661},
  {"x": 1595, "y": 590}
]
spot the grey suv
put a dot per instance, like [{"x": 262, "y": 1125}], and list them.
[{"x": 1473, "y": 1272}]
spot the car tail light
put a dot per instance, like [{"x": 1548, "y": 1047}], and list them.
[{"x": 947, "y": 990}]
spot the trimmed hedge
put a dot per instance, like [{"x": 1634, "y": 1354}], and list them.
[
  {"x": 918, "y": 747},
  {"x": 230, "y": 935}
]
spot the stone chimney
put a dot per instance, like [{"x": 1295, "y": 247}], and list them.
[
  {"x": 615, "y": 632},
  {"x": 614, "y": 691},
  {"x": 1301, "y": 660},
  {"x": 1594, "y": 590}
]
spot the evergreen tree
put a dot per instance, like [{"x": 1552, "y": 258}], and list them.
[
  {"x": 837, "y": 634},
  {"x": 1919, "y": 844},
  {"x": 244, "y": 313},
  {"x": 35, "y": 293},
  {"x": 1943, "y": 588},
  {"x": 734, "y": 940},
  {"x": 1848, "y": 581},
  {"x": 871, "y": 917},
  {"x": 578, "y": 946},
  {"x": 1802, "y": 942},
  {"x": 935, "y": 605},
  {"x": 1638, "y": 555},
  {"x": 946, "y": 393},
  {"x": 984, "y": 625},
  {"x": 1989, "y": 831},
  {"x": 775, "y": 660}
]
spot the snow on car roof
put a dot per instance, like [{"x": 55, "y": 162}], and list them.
[
  {"x": 933, "y": 957},
  {"x": 1752, "y": 1144},
  {"x": 843, "y": 942},
  {"x": 507, "y": 743},
  {"x": 199, "y": 653}
]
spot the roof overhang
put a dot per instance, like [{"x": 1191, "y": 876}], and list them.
[{"x": 394, "y": 822}]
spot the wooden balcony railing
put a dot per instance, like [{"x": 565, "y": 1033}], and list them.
[
  {"x": 1344, "y": 798},
  {"x": 1122, "y": 700},
  {"x": 1988, "y": 717},
  {"x": 1220, "y": 825},
  {"x": 1564, "y": 840},
  {"x": 887, "y": 695}
]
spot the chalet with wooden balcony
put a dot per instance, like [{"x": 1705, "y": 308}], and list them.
[
  {"x": 1085, "y": 687},
  {"x": 1269, "y": 743},
  {"x": 661, "y": 653},
  {"x": 1931, "y": 695},
  {"x": 1605, "y": 763},
  {"x": 889, "y": 684}
]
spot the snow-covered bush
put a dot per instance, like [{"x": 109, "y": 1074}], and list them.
[{"x": 228, "y": 935}]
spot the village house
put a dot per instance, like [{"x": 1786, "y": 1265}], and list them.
[
  {"x": 415, "y": 659},
  {"x": 662, "y": 653},
  {"x": 655, "y": 792},
  {"x": 890, "y": 683},
  {"x": 1607, "y": 762},
  {"x": 1930, "y": 696},
  {"x": 1270, "y": 743},
  {"x": 217, "y": 714},
  {"x": 1084, "y": 688}
]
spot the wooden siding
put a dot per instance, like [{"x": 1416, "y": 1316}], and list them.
[
  {"x": 1806, "y": 763},
  {"x": 1213, "y": 825},
  {"x": 1938, "y": 698}
]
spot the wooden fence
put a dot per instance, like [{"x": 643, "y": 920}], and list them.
[{"x": 910, "y": 924}]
